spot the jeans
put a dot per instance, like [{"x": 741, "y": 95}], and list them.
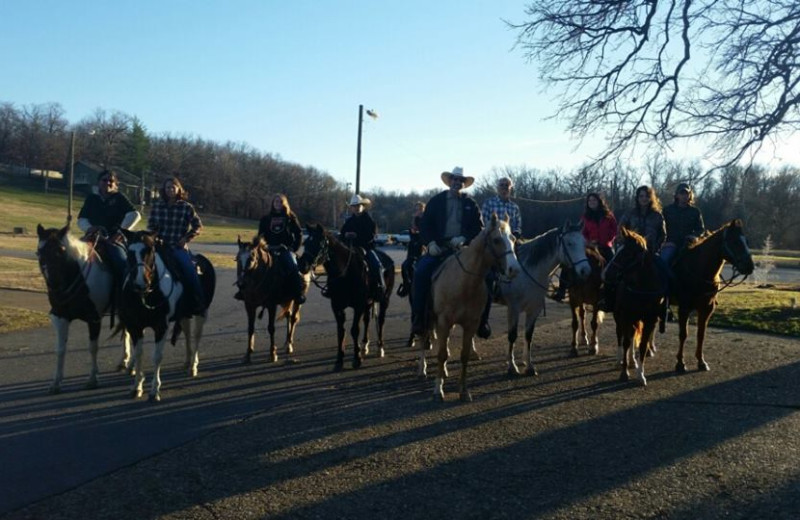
[
  {"x": 423, "y": 272},
  {"x": 189, "y": 274}
]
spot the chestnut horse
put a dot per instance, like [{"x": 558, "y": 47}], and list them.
[
  {"x": 264, "y": 284},
  {"x": 583, "y": 293},
  {"x": 459, "y": 293},
  {"x": 79, "y": 287},
  {"x": 697, "y": 272},
  {"x": 348, "y": 286},
  {"x": 640, "y": 299}
]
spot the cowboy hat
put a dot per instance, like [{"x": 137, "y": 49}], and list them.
[
  {"x": 683, "y": 187},
  {"x": 358, "y": 200},
  {"x": 457, "y": 172}
]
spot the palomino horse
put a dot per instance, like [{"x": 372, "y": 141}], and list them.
[
  {"x": 150, "y": 299},
  {"x": 697, "y": 272},
  {"x": 348, "y": 286},
  {"x": 458, "y": 296},
  {"x": 79, "y": 286},
  {"x": 538, "y": 258},
  {"x": 264, "y": 284},
  {"x": 583, "y": 293},
  {"x": 640, "y": 299}
]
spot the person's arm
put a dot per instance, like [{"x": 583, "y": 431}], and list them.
[
  {"x": 516, "y": 221},
  {"x": 297, "y": 233},
  {"x": 263, "y": 226},
  {"x": 195, "y": 225},
  {"x": 130, "y": 219},
  {"x": 85, "y": 216}
]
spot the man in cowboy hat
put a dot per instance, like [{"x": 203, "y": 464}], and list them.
[
  {"x": 684, "y": 223},
  {"x": 360, "y": 230},
  {"x": 451, "y": 219}
]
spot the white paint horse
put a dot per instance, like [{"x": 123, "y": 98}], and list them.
[
  {"x": 150, "y": 299},
  {"x": 459, "y": 293},
  {"x": 538, "y": 258},
  {"x": 79, "y": 286}
]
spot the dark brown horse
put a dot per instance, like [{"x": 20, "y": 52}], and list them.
[
  {"x": 348, "y": 286},
  {"x": 697, "y": 273},
  {"x": 640, "y": 299},
  {"x": 264, "y": 284},
  {"x": 583, "y": 293}
]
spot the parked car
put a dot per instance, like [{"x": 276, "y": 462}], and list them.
[{"x": 384, "y": 239}]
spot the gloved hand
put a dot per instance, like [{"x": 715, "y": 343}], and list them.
[
  {"x": 457, "y": 242},
  {"x": 434, "y": 249}
]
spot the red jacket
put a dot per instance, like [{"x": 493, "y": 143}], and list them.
[{"x": 602, "y": 232}]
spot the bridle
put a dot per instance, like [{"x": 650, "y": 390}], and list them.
[
  {"x": 486, "y": 245},
  {"x": 150, "y": 273},
  {"x": 563, "y": 246},
  {"x": 72, "y": 290},
  {"x": 260, "y": 262}
]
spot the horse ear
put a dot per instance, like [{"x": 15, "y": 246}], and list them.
[
  {"x": 239, "y": 241},
  {"x": 737, "y": 223},
  {"x": 40, "y": 231},
  {"x": 494, "y": 219},
  {"x": 63, "y": 231}
]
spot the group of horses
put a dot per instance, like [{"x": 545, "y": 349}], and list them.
[{"x": 80, "y": 287}]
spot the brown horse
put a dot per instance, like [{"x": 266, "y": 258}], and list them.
[
  {"x": 640, "y": 298},
  {"x": 697, "y": 271},
  {"x": 348, "y": 286},
  {"x": 459, "y": 293},
  {"x": 264, "y": 284},
  {"x": 583, "y": 293}
]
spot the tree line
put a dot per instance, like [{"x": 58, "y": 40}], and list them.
[{"x": 237, "y": 180}]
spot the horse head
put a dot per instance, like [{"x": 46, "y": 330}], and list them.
[
  {"x": 572, "y": 250},
  {"x": 142, "y": 271},
  {"x": 499, "y": 241},
  {"x": 315, "y": 248},
  {"x": 53, "y": 255},
  {"x": 250, "y": 257},
  {"x": 735, "y": 248},
  {"x": 630, "y": 257}
]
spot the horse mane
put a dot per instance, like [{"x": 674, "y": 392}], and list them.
[
  {"x": 630, "y": 234},
  {"x": 594, "y": 252},
  {"x": 540, "y": 246},
  {"x": 76, "y": 247},
  {"x": 705, "y": 237}
]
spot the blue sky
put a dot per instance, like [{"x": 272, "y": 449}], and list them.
[{"x": 287, "y": 77}]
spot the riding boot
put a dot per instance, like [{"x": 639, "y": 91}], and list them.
[
  {"x": 238, "y": 295},
  {"x": 402, "y": 290},
  {"x": 484, "y": 329},
  {"x": 560, "y": 293}
]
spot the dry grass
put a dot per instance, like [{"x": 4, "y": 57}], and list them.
[{"x": 13, "y": 319}]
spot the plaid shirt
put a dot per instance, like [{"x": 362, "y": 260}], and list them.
[
  {"x": 503, "y": 208},
  {"x": 175, "y": 222}
]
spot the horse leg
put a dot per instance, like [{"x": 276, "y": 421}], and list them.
[
  {"x": 513, "y": 325},
  {"x": 158, "y": 357},
  {"x": 466, "y": 349},
  {"x": 339, "y": 315},
  {"x": 703, "y": 315},
  {"x": 624, "y": 354},
  {"x": 648, "y": 329},
  {"x": 251, "y": 333},
  {"x": 126, "y": 362},
  {"x": 530, "y": 326},
  {"x": 594, "y": 345},
  {"x": 62, "y": 334},
  {"x": 291, "y": 322},
  {"x": 576, "y": 325},
  {"x": 683, "y": 333},
  {"x": 358, "y": 356},
  {"x": 138, "y": 380},
  {"x": 197, "y": 323},
  {"x": 442, "y": 338},
  {"x": 384, "y": 305},
  {"x": 273, "y": 349},
  {"x": 94, "y": 333},
  {"x": 620, "y": 331},
  {"x": 365, "y": 338}
]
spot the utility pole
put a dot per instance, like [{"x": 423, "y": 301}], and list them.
[
  {"x": 358, "y": 150},
  {"x": 71, "y": 176}
]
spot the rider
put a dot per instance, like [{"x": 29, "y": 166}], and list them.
[
  {"x": 503, "y": 206},
  {"x": 599, "y": 229},
  {"x": 684, "y": 223},
  {"x": 646, "y": 219},
  {"x": 177, "y": 223},
  {"x": 451, "y": 219},
  {"x": 360, "y": 230},
  {"x": 414, "y": 250},
  {"x": 281, "y": 230},
  {"x": 106, "y": 212}
]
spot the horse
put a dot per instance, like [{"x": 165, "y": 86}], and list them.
[
  {"x": 538, "y": 258},
  {"x": 79, "y": 286},
  {"x": 459, "y": 293},
  {"x": 348, "y": 286},
  {"x": 583, "y": 293},
  {"x": 415, "y": 250},
  {"x": 640, "y": 299},
  {"x": 697, "y": 273},
  {"x": 150, "y": 299},
  {"x": 262, "y": 283}
]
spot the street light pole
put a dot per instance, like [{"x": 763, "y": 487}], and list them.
[
  {"x": 358, "y": 150},
  {"x": 71, "y": 176}
]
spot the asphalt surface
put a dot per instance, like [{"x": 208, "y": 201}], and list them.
[{"x": 295, "y": 440}]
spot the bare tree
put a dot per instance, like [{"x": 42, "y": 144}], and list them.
[{"x": 657, "y": 72}]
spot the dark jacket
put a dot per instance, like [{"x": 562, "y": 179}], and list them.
[
  {"x": 650, "y": 226},
  {"x": 108, "y": 213},
  {"x": 363, "y": 226},
  {"x": 682, "y": 222},
  {"x": 280, "y": 228},
  {"x": 434, "y": 220}
]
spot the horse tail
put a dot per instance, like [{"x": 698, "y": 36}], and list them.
[{"x": 119, "y": 328}]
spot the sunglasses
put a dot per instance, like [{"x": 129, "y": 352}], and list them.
[{"x": 504, "y": 185}]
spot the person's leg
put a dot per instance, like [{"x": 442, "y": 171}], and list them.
[
  {"x": 191, "y": 282},
  {"x": 423, "y": 271},
  {"x": 405, "y": 272},
  {"x": 563, "y": 284},
  {"x": 484, "y": 329},
  {"x": 376, "y": 269},
  {"x": 289, "y": 262}
]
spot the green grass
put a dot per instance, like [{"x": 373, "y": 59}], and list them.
[{"x": 759, "y": 310}]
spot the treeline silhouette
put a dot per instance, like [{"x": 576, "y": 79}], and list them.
[{"x": 237, "y": 180}]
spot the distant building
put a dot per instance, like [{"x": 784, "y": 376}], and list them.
[{"x": 131, "y": 185}]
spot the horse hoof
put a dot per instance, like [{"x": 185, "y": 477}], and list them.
[
  {"x": 135, "y": 394},
  {"x": 193, "y": 372},
  {"x": 273, "y": 358},
  {"x": 680, "y": 368},
  {"x": 154, "y": 398},
  {"x": 338, "y": 366},
  {"x": 624, "y": 377},
  {"x": 531, "y": 372},
  {"x": 438, "y": 398},
  {"x": 289, "y": 349},
  {"x": 573, "y": 353},
  {"x": 92, "y": 384},
  {"x": 643, "y": 382},
  {"x": 357, "y": 363},
  {"x": 122, "y": 366},
  {"x": 54, "y": 390},
  {"x": 474, "y": 356},
  {"x": 465, "y": 396},
  {"x": 702, "y": 366},
  {"x": 512, "y": 372},
  {"x": 382, "y": 353},
  {"x": 365, "y": 348},
  {"x": 247, "y": 361},
  {"x": 593, "y": 351}
]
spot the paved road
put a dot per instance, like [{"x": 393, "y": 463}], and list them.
[{"x": 293, "y": 440}]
